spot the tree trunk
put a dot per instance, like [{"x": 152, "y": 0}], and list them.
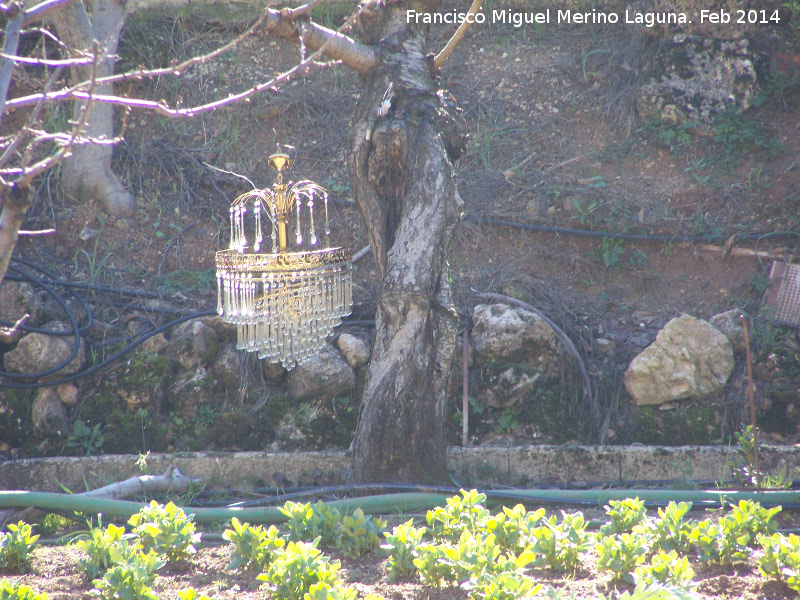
[
  {"x": 402, "y": 176},
  {"x": 87, "y": 174}
]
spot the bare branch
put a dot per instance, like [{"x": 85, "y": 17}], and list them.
[
  {"x": 10, "y": 44},
  {"x": 334, "y": 44},
  {"x": 438, "y": 61},
  {"x": 69, "y": 62},
  {"x": 45, "y": 8}
]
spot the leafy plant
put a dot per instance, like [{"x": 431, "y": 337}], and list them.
[
  {"x": 97, "y": 543},
  {"x": 17, "y": 591},
  {"x": 502, "y": 586},
  {"x": 90, "y": 441},
  {"x": 130, "y": 576},
  {"x": 16, "y": 545},
  {"x": 359, "y": 533},
  {"x": 253, "y": 547},
  {"x": 191, "y": 594},
  {"x": 324, "y": 591},
  {"x": 706, "y": 538},
  {"x": 671, "y": 531},
  {"x": 402, "y": 544},
  {"x": 296, "y": 568},
  {"x": 461, "y": 513},
  {"x": 781, "y": 558},
  {"x": 658, "y": 592},
  {"x": 666, "y": 568},
  {"x": 512, "y": 527},
  {"x": 307, "y": 522},
  {"x": 621, "y": 554},
  {"x": 433, "y": 571},
  {"x": 624, "y": 515},
  {"x": 559, "y": 545},
  {"x": 165, "y": 530}
]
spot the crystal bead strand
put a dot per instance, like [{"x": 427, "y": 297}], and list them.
[
  {"x": 311, "y": 218},
  {"x": 298, "y": 233},
  {"x": 259, "y": 236}
]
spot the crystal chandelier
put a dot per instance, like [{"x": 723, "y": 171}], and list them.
[{"x": 284, "y": 303}]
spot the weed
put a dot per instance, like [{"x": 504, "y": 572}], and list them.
[
  {"x": 89, "y": 441},
  {"x": 610, "y": 251}
]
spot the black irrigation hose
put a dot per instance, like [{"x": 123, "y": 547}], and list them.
[
  {"x": 100, "y": 365},
  {"x": 627, "y": 236}
]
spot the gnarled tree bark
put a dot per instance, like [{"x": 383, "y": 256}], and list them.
[
  {"x": 87, "y": 174},
  {"x": 405, "y": 136}
]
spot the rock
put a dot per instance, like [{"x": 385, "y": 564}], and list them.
[
  {"x": 193, "y": 344},
  {"x": 68, "y": 394},
  {"x": 697, "y": 79},
  {"x": 324, "y": 375},
  {"x": 16, "y": 300},
  {"x": 225, "y": 331},
  {"x": 730, "y": 323},
  {"x": 226, "y": 367},
  {"x": 605, "y": 345},
  {"x": 190, "y": 391},
  {"x": 49, "y": 414},
  {"x": 503, "y": 333},
  {"x": 512, "y": 386},
  {"x": 53, "y": 311},
  {"x": 689, "y": 359},
  {"x": 355, "y": 350},
  {"x": 155, "y": 344},
  {"x": 39, "y": 352},
  {"x": 272, "y": 371}
]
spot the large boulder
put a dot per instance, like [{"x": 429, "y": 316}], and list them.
[
  {"x": 504, "y": 333},
  {"x": 39, "y": 352},
  {"x": 193, "y": 344},
  {"x": 324, "y": 375},
  {"x": 696, "y": 79},
  {"x": 689, "y": 359}
]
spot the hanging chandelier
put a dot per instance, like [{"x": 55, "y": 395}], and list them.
[{"x": 284, "y": 303}]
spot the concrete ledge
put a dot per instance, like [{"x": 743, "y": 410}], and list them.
[{"x": 518, "y": 466}]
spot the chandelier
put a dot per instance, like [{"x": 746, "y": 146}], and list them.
[{"x": 284, "y": 303}]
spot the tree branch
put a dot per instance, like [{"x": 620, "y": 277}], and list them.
[
  {"x": 10, "y": 44},
  {"x": 438, "y": 61},
  {"x": 333, "y": 44}
]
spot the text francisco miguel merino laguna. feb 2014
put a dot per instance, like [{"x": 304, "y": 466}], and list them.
[{"x": 648, "y": 19}]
